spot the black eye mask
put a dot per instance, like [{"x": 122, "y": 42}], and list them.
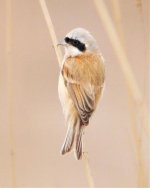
[{"x": 75, "y": 43}]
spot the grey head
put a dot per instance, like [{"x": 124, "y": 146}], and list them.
[{"x": 78, "y": 41}]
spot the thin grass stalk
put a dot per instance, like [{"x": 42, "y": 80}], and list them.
[
  {"x": 132, "y": 106},
  {"x": 88, "y": 171},
  {"x": 123, "y": 60},
  {"x": 8, "y": 58},
  {"x": 140, "y": 166},
  {"x": 139, "y": 5},
  {"x": 59, "y": 57},
  {"x": 51, "y": 30},
  {"x": 135, "y": 94},
  {"x": 118, "y": 19}
]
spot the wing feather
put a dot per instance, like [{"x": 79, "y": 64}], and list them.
[
  {"x": 82, "y": 103},
  {"x": 83, "y": 77}
]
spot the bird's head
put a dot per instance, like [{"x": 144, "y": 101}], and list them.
[{"x": 79, "y": 41}]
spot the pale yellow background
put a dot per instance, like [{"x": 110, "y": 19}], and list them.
[{"x": 38, "y": 123}]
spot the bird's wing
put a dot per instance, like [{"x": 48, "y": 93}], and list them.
[
  {"x": 83, "y": 82},
  {"x": 83, "y": 102}
]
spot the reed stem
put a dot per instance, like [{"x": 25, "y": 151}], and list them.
[
  {"x": 51, "y": 30},
  {"x": 123, "y": 60},
  {"x": 8, "y": 59},
  {"x": 88, "y": 170},
  {"x": 135, "y": 95}
]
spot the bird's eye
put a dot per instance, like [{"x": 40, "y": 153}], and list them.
[
  {"x": 67, "y": 39},
  {"x": 75, "y": 42}
]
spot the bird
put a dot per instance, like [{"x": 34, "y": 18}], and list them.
[{"x": 80, "y": 86}]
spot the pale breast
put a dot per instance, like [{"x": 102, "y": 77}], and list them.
[{"x": 66, "y": 101}]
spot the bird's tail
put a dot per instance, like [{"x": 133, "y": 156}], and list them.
[
  {"x": 69, "y": 140},
  {"x": 74, "y": 138},
  {"x": 72, "y": 121},
  {"x": 79, "y": 144}
]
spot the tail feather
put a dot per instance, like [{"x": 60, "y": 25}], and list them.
[
  {"x": 78, "y": 147},
  {"x": 69, "y": 140},
  {"x": 74, "y": 138}
]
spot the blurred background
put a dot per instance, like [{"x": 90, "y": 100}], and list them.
[{"x": 32, "y": 126}]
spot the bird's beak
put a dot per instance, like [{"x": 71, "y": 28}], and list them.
[{"x": 62, "y": 44}]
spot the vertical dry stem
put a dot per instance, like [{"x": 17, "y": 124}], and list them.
[
  {"x": 136, "y": 99},
  {"x": 8, "y": 57},
  {"x": 125, "y": 66},
  {"x": 59, "y": 57},
  {"x": 133, "y": 111},
  {"x": 123, "y": 60},
  {"x": 118, "y": 19},
  {"x": 88, "y": 171},
  {"x": 139, "y": 5},
  {"x": 51, "y": 30}
]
